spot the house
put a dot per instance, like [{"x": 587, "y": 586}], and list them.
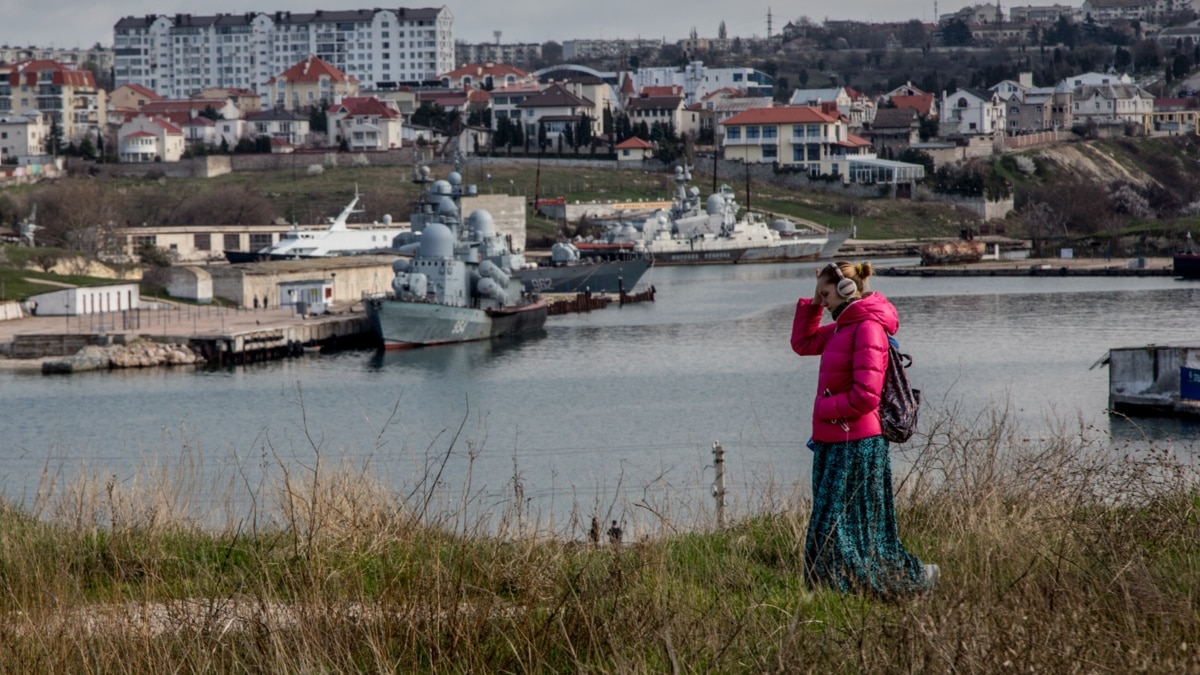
[
  {"x": 200, "y": 131},
  {"x": 246, "y": 100},
  {"x": 1175, "y": 116},
  {"x": 924, "y": 104},
  {"x": 906, "y": 89},
  {"x": 23, "y": 136},
  {"x": 803, "y": 137},
  {"x": 311, "y": 82},
  {"x": 228, "y": 131},
  {"x": 131, "y": 97},
  {"x": 894, "y": 129},
  {"x": 553, "y": 108},
  {"x": 180, "y": 110},
  {"x": 722, "y": 104},
  {"x": 633, "y": 150},
  {"x": 506, "y": 99},
  {"x": 1113, "y": 104},
  {"x": 365, "y": 124},
  {"x": 1039, "y": 109},
  {"x": 150, "y": 139},
  {"x": 665, "y": 110},
  {"x": 971, "y": 112},
  {"x": 89, "y": 300},
  {"x": 591, "y": 88},
  {"x": 67, "y": 96},
  {"x": 487, "y": 76},
  {"x": 857, "y": 108},
  {"x": 278, "y": 123}
]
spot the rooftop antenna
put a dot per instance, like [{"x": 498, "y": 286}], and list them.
[
  {"x": 768, "y": 22},
  {"x": 497, "y": 34}
]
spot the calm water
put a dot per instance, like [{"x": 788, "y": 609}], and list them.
[{"x": 601, "y": 411}]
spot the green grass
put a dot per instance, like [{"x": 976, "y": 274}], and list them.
[{"x": 19, "y": 284}]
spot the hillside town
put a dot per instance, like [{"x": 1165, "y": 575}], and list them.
[{"x": 173, "y": 87}]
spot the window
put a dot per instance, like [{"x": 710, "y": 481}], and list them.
[
  {"x": 770, "y": 132},
  {"x": 797, "y": 153},
  {"x": 752, "y": 133},
  {"x": 202, "y": 242},
  {"x": 145, "y": 240},
  {"x": 233, "y": 242},
  {"x": 770, "y": 151},
  {"x": 734, "y": 133},
  {"x": 258, "y": 241}
]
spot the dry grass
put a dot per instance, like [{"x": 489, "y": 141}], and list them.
[{"x": 1057, "y": 555}]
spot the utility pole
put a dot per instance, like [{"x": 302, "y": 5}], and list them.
[{"x": 718, "y": 487}]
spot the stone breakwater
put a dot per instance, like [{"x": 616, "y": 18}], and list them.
[{"x": 139, "y": 354}]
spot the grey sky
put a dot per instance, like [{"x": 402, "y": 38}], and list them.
[{"x": 80, "y": 23}]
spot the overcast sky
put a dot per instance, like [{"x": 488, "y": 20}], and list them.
[{"x": 76, "y": 23}]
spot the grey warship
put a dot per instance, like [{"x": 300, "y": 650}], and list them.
[{"x": 458, "y": 285}]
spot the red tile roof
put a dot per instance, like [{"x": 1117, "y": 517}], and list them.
[
  {"x": 144, "y": 91},
  {"x": 311, "y": 70},
  {"x": 358, "y": 106},
  {"x": 28, "y": 72},
  {"x": 780, "y": 115},
  {"x": 667, "y": 90},
  {"x": 140, "y": 134},
  {"x": 922, "y": 103},
  {"x": 634, "y": 143},
  {"x": 498, "y": 71},
  {"x": 177, "y": 105},
  {"x": 167, "y": 126}
]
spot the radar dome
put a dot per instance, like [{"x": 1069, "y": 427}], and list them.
[
  {"x": 424, "y": 172},
  {"x": 715, "y": 205},
  {"x": 387, "y": 219},
  {"x": 455, "y": 178},
  {"x": 399, "y": 265},
  {"x": 694, "y": 191},
  {"x": 482, "y": 224},
  {"x": 437, "y": 242},
  {"x": 441, "y": 187},
  {"x": 446, "y": 207}
]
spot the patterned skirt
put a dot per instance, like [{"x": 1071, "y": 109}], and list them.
[{"x": 852, "y": 543}]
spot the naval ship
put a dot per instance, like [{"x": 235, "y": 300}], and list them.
[
  {"x": 691, "y": 234},
  {"x": 458, "y": 286}
]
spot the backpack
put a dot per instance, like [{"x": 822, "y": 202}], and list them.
[{"x": 898, "y": 402}]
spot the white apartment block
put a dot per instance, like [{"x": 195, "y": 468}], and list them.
[
  {"x": 598, "y": 49},
  {"x": 181, "y": 54},
  {"x": 699, "y": 81}
]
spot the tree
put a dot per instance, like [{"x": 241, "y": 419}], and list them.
[
  {"x": 318, "y": 119},
  {"x": 568, "y": 137},
  {"x": 583, "y": 132},
  {"x": 1122, "y": 59},
  {"x": 541, "y": 137},
  {"x": 1180, "y": 66},
  {"x": 552, "y": 52},
  {"x": 211, "y": 113},
  {"x": 722, "y": 34},
  {"x": 87, "y": 149},
  {"x": 54, "y": 139},
  {"x": 956, "y": 34},
  {"x": 607, "y": 122}
]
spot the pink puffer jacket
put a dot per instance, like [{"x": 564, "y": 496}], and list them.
[{"x": 854, "y": 354}]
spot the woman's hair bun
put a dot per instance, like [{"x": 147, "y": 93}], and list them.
[{"x": 864, "y": 270}]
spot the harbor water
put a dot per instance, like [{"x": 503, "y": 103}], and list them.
[{"x": 612, "y": 413}]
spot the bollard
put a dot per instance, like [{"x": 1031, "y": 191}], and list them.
[{"x": 718, "y": 487}]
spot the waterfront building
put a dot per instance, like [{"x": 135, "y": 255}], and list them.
[
  {"x": 802, "y": 137},
  {"x": 182, "y": 54},
  {"x": 64, "y": 94}
]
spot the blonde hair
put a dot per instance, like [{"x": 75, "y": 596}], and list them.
[{"x": 856, "y": 272}]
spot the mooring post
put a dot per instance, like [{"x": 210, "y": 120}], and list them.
[{"x": 718, "y": 488}]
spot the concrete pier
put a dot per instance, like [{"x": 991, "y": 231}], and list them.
[{"x": 222, "y": 335}]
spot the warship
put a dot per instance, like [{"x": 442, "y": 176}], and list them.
[
  {"x": 692, "y": 234},
  {"x": 567, "y": 270},
  {"x": 458, "y": 285}
]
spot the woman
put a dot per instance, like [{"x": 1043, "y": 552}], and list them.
[{"x": 852, "y": 543}]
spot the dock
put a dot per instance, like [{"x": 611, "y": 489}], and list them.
[
  {"x": 1154, "y": 380},
  {"x": 220, "y": 335},
  {"x": 1068, "y": 267}
]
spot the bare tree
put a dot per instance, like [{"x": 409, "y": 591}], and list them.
[{"x": 77, "y": 214}]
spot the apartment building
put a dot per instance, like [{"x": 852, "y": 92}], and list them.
[
  {"x": 181, "y": 54},
  {"x": 64, "y": 94},
  {"x": 519, "y": 53},
  {"x": 101, "y": 57}
]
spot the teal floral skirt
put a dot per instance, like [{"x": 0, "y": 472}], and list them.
[{"x": 852, "y": 543}]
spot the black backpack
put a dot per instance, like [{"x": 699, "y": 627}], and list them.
[{"x": 898, "y": 402}]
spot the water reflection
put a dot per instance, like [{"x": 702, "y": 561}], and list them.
[{"x": 458, "y": 358}]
